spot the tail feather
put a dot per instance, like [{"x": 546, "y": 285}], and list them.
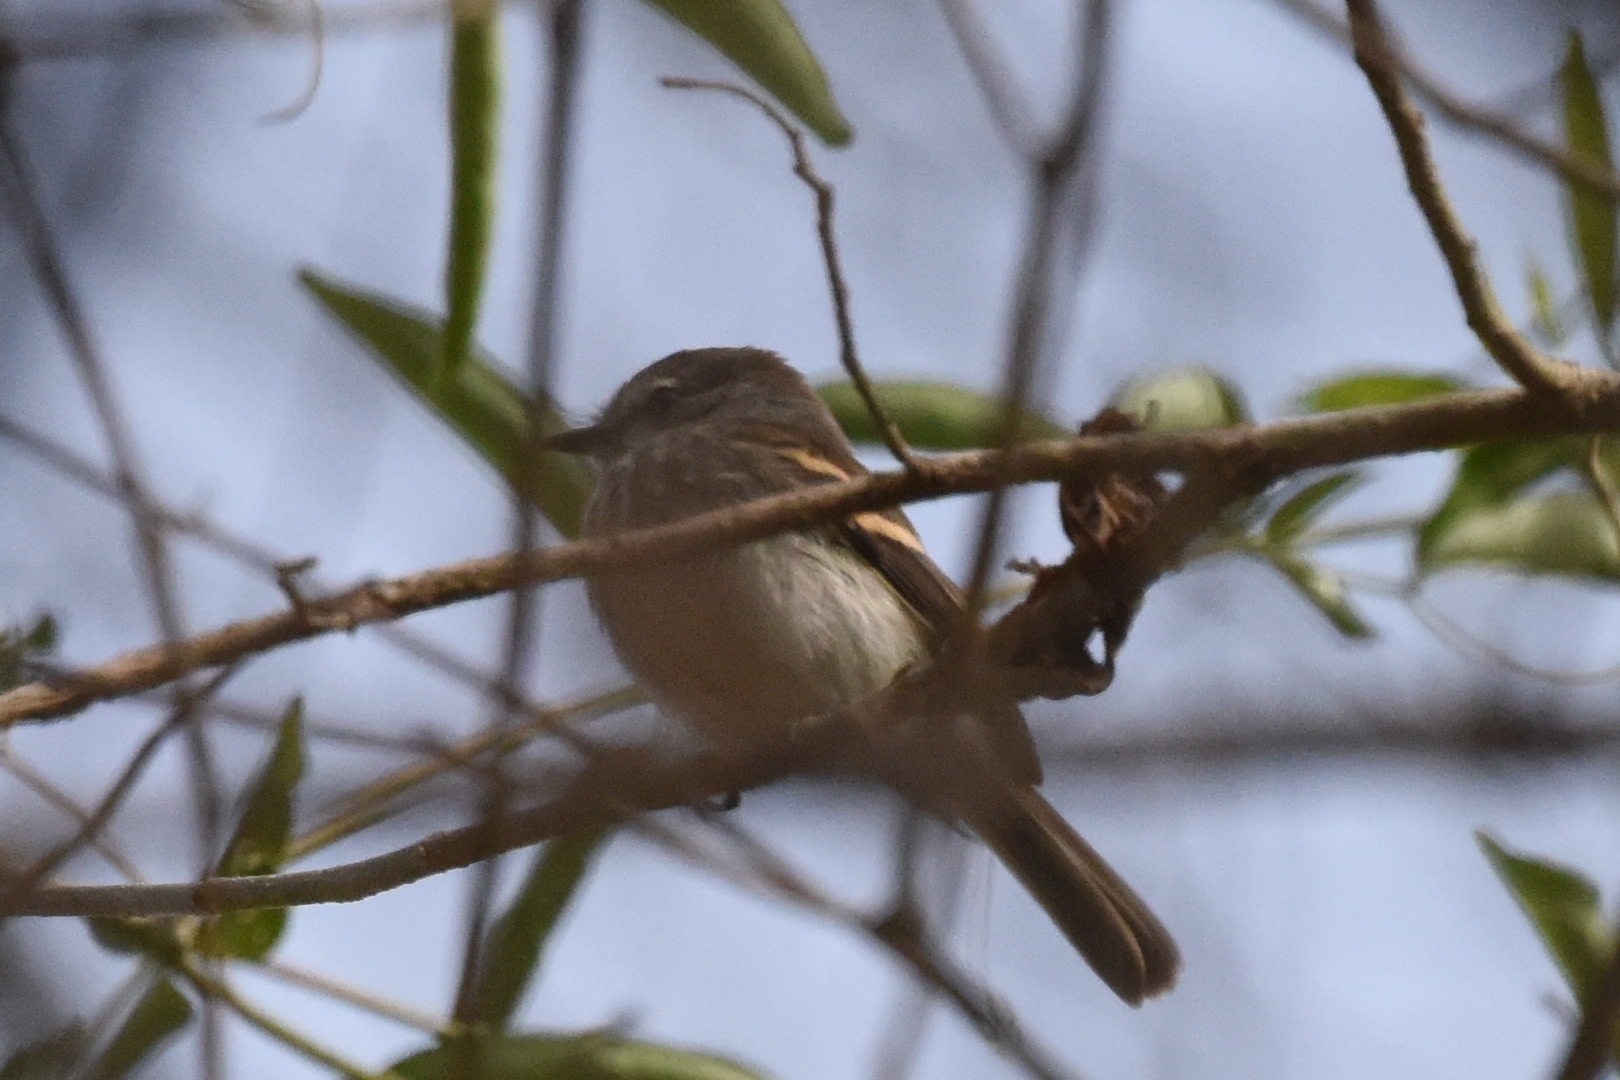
[{"x": 1103, "y": 918}]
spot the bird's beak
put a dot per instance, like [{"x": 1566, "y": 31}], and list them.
[{"x": 583, "y": 440}]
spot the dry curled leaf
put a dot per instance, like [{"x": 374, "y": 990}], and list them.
[{"x": 1048, "y": 641}]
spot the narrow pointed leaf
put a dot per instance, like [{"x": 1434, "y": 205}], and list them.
[
  {"x": 259, "y": 846},
  {"x": 516, "y": 941},
  {"x": 160, "y": 1013},
  {"x": 760, "y": 37},
  {"x": 1301, "y": 511},
  {"x": 1565, "y": 533},
  {"x": 1182, "y": 399},
  {"x": 930, "y": 415},
  {"x": 475, "y": 93},
  {"x": 479, "y": 404},
  {"x": 51, "y": 1058},
  {"x": 1386, "y": 387},
  {"x": 574, "y": 1057},
  {"x": 1562, "y": 906},
  {"x": 1325, "y": 591},
  {"x": 1592, "y": 216}
]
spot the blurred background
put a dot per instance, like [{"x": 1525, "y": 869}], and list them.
[{"x": 1297, "y": 806}]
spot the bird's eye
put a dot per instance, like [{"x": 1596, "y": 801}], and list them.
[{"x": 662, "y": 398}]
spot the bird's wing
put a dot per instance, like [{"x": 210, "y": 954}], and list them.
[{"x": 888, "y": 542}]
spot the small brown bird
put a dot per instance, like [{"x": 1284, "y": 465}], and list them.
[{"x": 744, "y": 643}]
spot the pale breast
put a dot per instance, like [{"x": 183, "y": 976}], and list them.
[{"x": 742, "y": 644}]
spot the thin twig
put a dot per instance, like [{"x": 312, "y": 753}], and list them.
[
  {"x": 1009, "y": 106},
  {"x": 49, "y": 270},
  {"x": 48, "y": 791},
  {"x": 89, "y": 831},
  {"x": 601, "y": 796},
  {"x": 903, "y": 933},
  {"x": 562, "y": 30},
  {"x": 1458, "y": 732},
  {"x": 610, "y": 792},
  {"x": 72, "y": 37},
  {"x": 317, "y": 46},
  {"x": 214, "y": 987},
  {"x": 1506, "y": 345},
  {"x": 805, "y": 170},
  {"x": 368, "y": 804},
  {"x": 1057, "y": 238},
  {"x": 365, "y": 1000},
  {"x": 908, "y": 1019},
  {"x": 1258, "y": 453},
  {"x": 21, "y": 187},
  {"x": 1459, "y": 638},
  {"x": 46, "y": 263},
  {"x": 1450, "y": 106},
  {"x": 250, "y": 554}
]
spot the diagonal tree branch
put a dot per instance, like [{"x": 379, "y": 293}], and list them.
[
  {"x": 1452, "y": 107},
  {"x": 1512, "y": 353},
  {"x": 1257, "y": 454}
]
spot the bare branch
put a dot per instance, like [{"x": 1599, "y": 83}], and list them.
[
  {"x": 805, "y": 170},
  {"x": 1450, "y": 106},
  {"x": 1258, "y": 454},
  {"x": 252, "y": 555},
  {"x": 1008, "y": 104},
  {"x": 39, "y": 785},
  {"x": 68, "y": 37},
  {"x": 89, "y": 831},
  {"x": 1056, "y": 239},
  {"x": 1507, "y": 347},
  {"x": 612, "y": 789},
  {"x": 903, "y": 933},
  {"x": 151, "y": 542}
]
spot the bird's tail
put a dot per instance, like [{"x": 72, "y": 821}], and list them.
[{"x": 1101, "y": 916}]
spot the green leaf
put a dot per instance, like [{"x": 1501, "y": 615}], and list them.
[
  {"x": 160, "y": 1013},
  {"x": 1387, "y": 387},
  {"x": 1545, "y": 321},
  {"x": 930, "y": 415},
  {"x": 1296, "y": 515},
  {"x": 259, "y": 846},
  {"x": 42, "y": 636},
  {"x": 1562, "y": 906},
  {"x": 1592, "y": 216},
  {"x": 475, "y": 108},
  {"x": 479, "y": 404},
  {"x": 572, "y": 1057},
  {"x": 759, "y": 36},
  {"x": 1491, "y": 475},
  {"x": 513, "y": 949},
  {"x": 1182, "y": 399},
  {"x": 51, "y": 1058},
  {"x": 1326, "y": 592},
  {"x": 1567, "y": 533},
  {"x": 18, "y": 647},
  {"x": 156, "y": 937}
]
